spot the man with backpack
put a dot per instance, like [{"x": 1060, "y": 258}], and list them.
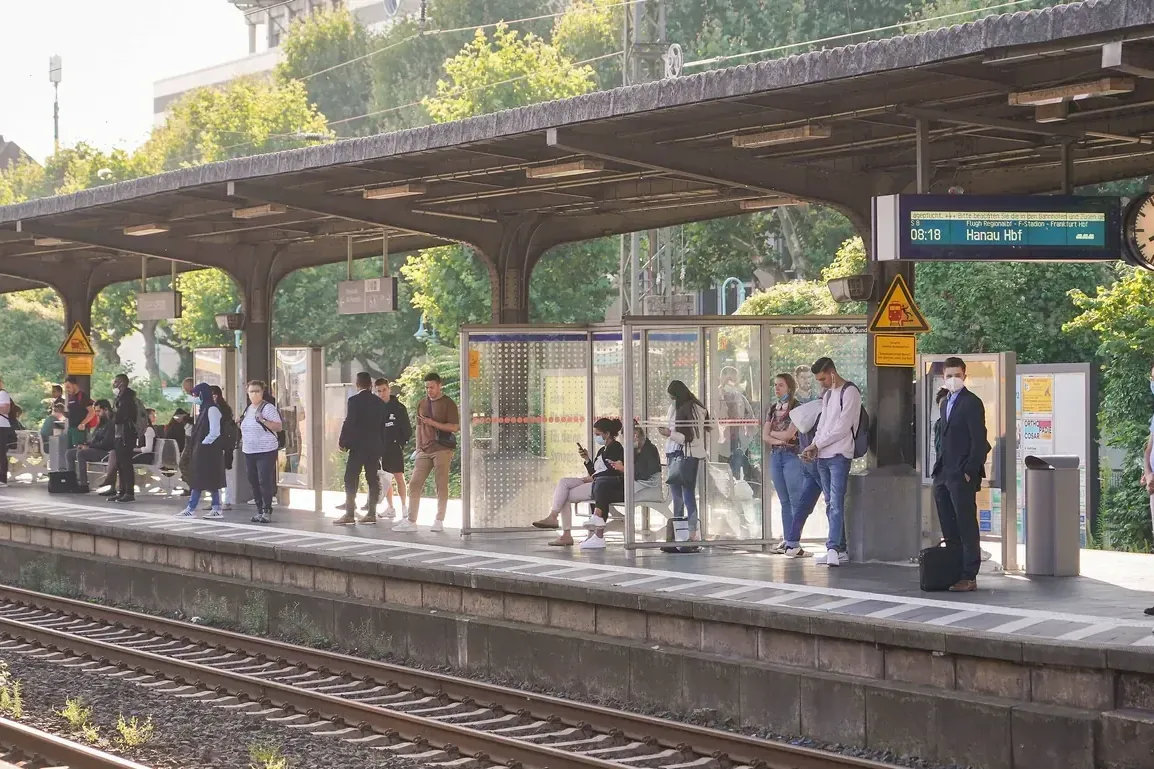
[{"x": 840, "y": 435}]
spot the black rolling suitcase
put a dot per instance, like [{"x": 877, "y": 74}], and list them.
[{"x": 939, "y": 567}]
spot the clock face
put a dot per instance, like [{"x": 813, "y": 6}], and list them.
[{"x": 1140, "y": 230}]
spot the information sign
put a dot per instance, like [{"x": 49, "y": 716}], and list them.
[
  {"x": 997, "y": 228},
  {"x": 158, "y": 305},
  {"x": 358, "y": 297},
  {"x": 895, "y": 350}
]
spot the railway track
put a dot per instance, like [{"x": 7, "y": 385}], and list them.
[
  {"x": 436, "y": 718},
  {"x": 23, "y": 747}
]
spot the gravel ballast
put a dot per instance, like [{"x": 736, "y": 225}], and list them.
[{"x": 187, "y": 733}]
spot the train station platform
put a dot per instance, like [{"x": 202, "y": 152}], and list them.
[
  {"x": 1103, "y": 606},
  {"x": 1025, "y": 673}
]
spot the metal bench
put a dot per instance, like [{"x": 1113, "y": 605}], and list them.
[{"x": 28, "y": 457}]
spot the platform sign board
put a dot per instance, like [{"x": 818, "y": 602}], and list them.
[
  {"x": 79, "y": 365},
  {"x": 1056, "y": 415},
  {"x": 76, "y": 343},
  {"x": 360, "y": 297},
  {"x": 158, "y": 305},
  {"x": 898, "y": 350},
  {"x": 1063, "y": 228}
]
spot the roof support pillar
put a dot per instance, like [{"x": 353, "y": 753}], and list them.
[
  {"x": 884, "y": 518},
  {"x": 511, "y": 257},
  {"x": 256, "y": 283},
  {"x": 77, "y": 295}
]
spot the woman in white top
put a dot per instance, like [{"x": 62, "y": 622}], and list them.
[
  {"x": 259, "y": 425},
  {"x": 685, "y": 439}
]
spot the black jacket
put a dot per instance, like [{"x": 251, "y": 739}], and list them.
[
  {"x": 103, "y": 436},
  {"x": 647, "y": 462},
  {"x": 364, "y": 427},
  {"x": 613, "y": 452},
  {"x": 398, "y": 428},
  {"x": 964, "y": 447},
  {"x": 124, "y": 416}
]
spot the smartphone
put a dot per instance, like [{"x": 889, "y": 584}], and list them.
[{"x": 580, "y": 448}]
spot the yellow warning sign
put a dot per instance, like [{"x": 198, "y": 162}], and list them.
[
  {"x": 76, "y": 343},
  {"x": 474, "y": 364},
  {"x": 898, "y": 314},
  {"x": 895, "y": 350},
  {"x": 78, "y": 365}
]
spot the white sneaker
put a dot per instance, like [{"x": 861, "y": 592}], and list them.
[
  {"x": 389, "y": 513},
  {"x": 593, "y": 543},
  {"x": 185, "y": 513},
  {"x": 986, "y": 555},
  {"x": 437, "y": 527},
  {"x": 831, "y": 559},
  {"x": 405, "y": 526},
  {"x": 796, "y": 552},
  {"x": 842, "y": 557},
  {"x": 595, "y": 522},
  {"x": 213, "y": 513}
]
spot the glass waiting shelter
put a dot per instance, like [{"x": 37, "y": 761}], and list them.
[{"x": 530, "y": 396}]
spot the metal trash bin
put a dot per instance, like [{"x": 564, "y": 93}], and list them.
[{"x": 1053, "y": 536}]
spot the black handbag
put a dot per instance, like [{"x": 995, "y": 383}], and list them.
[
  {"x": 443, "y": 438},
  {"x": 939, "y": 567},
  {"x": 677, "y": 471}
]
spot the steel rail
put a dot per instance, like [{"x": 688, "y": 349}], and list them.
[
  {"x": 49, "y": 747},
  {"x": 738, "y": 749}
]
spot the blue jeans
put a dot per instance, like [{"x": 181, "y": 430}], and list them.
[
  {"x": 194, "y": 500},
  {"x": 786, "y": 471},
  {"x": 834, "y": 475},
  {"x": 803, "y": 502},
  {"x": 685, "y": 497}
]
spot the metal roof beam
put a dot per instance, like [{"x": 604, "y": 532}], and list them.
[
  {"x": 157, "y": 246},
  {"x": 401, "y": 216},
  {"x": 731, "y": 169}
]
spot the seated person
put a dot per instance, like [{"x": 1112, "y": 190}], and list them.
[
  {"x": 145, "y": 446},
  {"x": 98, "y": 444},
  {"x": 176, "y": 429},
  {"x": 611, "y": 489},
  {"x": 53, "y": 424},
  {"x": 571, "y": 490}
]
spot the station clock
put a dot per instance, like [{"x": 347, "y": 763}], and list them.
[{"x": 1138, "y": 230}]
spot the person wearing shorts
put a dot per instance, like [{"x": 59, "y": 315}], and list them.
[{"x": 398, "y": 433}]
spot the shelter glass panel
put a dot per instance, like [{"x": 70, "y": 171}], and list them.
[
  {"x": 336, "y": 407},
  {"x": 292, "y": 389},
  {"x": 529, "y": 403},
  {"x": 733, "y": 480}
]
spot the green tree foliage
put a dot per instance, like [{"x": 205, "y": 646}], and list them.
[
  {"x": 1121, "y": 319},
  {"x": 33, "y": 322},
  {"x": 592, "y": 29},
  {"x": 509, "y": 70},
  {"x": 811, "y": 297},
  {"x": 315, "y": 53},
  {"x": 993, "y": 307},
  {"x": 248, "y": 116},
  {"x": 930, "y": 16}
]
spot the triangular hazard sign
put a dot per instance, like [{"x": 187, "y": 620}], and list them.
[
  {"x": 898, "y": 313},
  {"x": 76, "y": 343}
]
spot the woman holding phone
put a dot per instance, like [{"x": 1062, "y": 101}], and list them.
[{"x": 572, "y": 490}]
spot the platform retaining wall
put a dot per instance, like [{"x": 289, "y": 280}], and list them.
[{"x": 951, "y": 697}]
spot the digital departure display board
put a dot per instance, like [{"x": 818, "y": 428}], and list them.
[{"x": 1001, "y": 228}]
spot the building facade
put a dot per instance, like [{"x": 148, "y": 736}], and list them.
[{"x": 268, "y": 23}]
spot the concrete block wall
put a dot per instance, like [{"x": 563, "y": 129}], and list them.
[{"x": 948, "y": 697}]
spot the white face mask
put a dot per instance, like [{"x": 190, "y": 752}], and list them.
[
  {"x": 116, "y": 391},
  {"x": 954, "y": 383}
]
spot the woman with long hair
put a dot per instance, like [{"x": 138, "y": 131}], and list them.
[
  {"x": 685, "y": 447},
  {"x": 786, "y": 470}
]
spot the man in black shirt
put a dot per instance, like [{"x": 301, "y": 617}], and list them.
[{"x": 125, "y": 415}]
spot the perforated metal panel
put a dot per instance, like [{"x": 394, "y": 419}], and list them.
[{"x": 528, "y": 404}]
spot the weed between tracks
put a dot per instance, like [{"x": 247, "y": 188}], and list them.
[
  {"x": 79, "y": 718},
  {"x": 11, "y": 701},
  {"x": 132, "y": 732},
  {"x": 267, "y": 755},
  {"x": 42, "y": 577}
]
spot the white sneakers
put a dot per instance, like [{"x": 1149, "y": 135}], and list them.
[
  {"x": 185, "y": 513},
  {"x": 390, "y": 513},
  {"x": 213, "y": 513},
  {"x": 595, "y": 522},
  {"x": 437, "y": 527},
  {"x": 795, "y": 552},
  {"x": 832, "y": 558},
  {"x": 405, "y": 526},
  {"x": 594, "y": 542}
]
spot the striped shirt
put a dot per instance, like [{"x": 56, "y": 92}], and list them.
[{"x": 255, "y": 438}]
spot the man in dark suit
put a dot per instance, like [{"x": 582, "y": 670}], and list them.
[
  {"x": 362, "y": 436},
  {"x": 959, "y": 469}
]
